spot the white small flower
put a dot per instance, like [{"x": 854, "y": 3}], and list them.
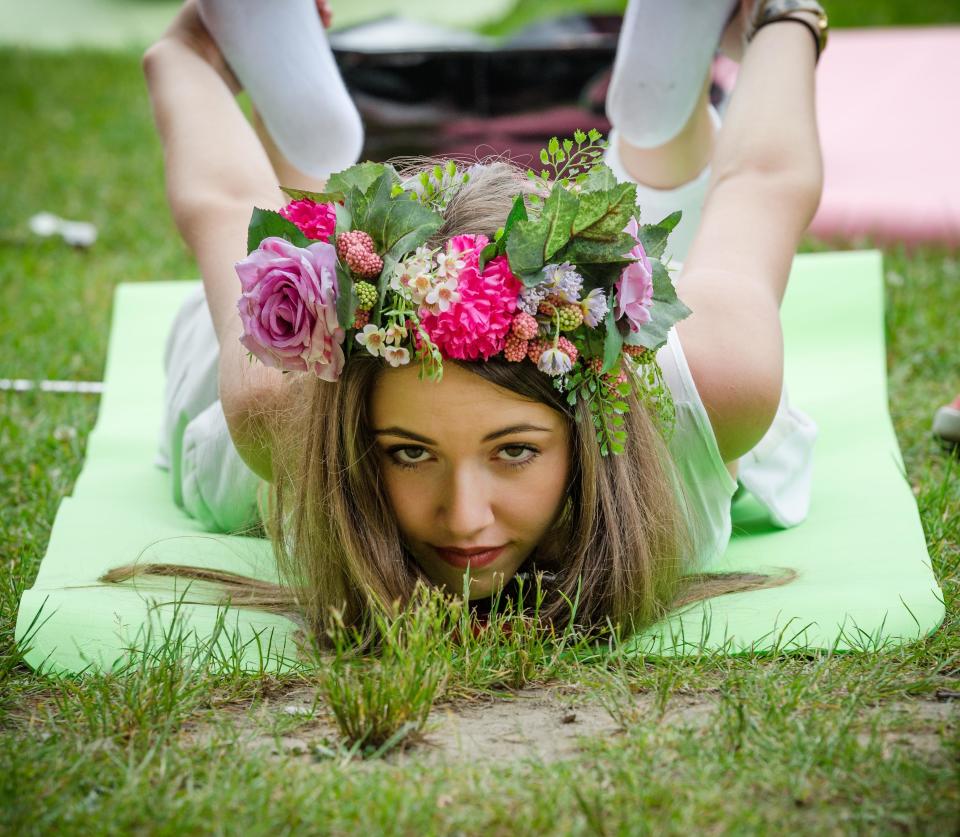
[
  {"x": 395, "y": 334},
  {"x": 420, "y": 285},
  {"x": 396, "y": 356},
  {"x": 373, "y": 339},
  {"x": 417, "y": 265},
  {"x": 398, "y": 282},
  {"x": 555, "y": 362},
  {"x": 448, "y": 265},
  {"x": 424, "y": 253},
  {"x": 442, "y": 295}
]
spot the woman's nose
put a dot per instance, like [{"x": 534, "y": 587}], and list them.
[{"x": 467, "y": 505}]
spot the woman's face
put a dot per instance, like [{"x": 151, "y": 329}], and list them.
[{"x": 476, "y": 474}]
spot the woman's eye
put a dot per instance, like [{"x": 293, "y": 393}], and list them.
[
  {"x": 517, "y": 454},
  {"x": 409, "y": 455}
]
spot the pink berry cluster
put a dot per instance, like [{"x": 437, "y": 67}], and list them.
[
  {"x": 523, "y": 340},
  {"x": 639, "y": 353},
  {"x": 541, "y": 341},
  {"x": 356, "y": 249},
  {"x": 611, "y": 379}
]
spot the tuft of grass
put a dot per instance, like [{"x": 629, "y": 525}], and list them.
[
  {"x": 513, "y": 647},
  {"x": 436, "y": 647},
  {"x": 382, "y": 700}
]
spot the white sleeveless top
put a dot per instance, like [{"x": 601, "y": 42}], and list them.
[{"x": 777, "y": 471}]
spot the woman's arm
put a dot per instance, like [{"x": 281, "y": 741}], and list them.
[
  {"x": 765, "y": 187},
  {"x": 216, "y": 172}
]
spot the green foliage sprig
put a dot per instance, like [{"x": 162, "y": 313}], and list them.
[
  {"x": 568, "y": 161},
  {"x": 606, "y": 399},
  {"x": 435, "y": 188},
  {"x": 606, "y": 402}
]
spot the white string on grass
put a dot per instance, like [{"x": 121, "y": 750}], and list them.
[{"x": 24, "y": 385}]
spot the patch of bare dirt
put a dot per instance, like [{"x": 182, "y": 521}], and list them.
[
  {"x": 547, "y": 725},
  {"x": 916, "y": 725},
  {"x": 543, "y": 724}
]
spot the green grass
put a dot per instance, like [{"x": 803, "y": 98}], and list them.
[{"x": 816, "y": 744}]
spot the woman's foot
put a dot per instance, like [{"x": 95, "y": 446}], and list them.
[
  {"x": 279, "y": 51},
  {"x": 663, "y": 56},
  {"x": 946, "y": 423}
]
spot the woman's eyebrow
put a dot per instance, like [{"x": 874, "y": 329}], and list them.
[
  {"x": 506, "y": 431},
  {"x": 407, "y": 434},
  {"x": 515, "y": 428}
]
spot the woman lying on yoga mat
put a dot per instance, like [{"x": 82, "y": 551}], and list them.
[{"x": 468, "y": 369}]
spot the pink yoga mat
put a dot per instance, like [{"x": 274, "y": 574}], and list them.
[{"x": 889, "y": 110}]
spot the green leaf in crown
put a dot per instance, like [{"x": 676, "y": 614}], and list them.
[
  {"x": 602, "y": 215},
  {"x": 265, "y": 223}
]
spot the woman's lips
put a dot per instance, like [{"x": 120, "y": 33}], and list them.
[{"x": 475, "y": 559}]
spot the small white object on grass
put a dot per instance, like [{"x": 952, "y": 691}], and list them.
[
  {"x": 75, "y": 233},
  {"x": 23, "y": 385},
  {"x": 946, "y": 422}
]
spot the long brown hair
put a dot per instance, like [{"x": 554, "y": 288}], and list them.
[{"x": 623, "y": 546}]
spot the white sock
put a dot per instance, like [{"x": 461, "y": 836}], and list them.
[
  {"x": 663, "y": 55},
  {"x": 656, "y": 204},
  {"x": 279, "y": 51}
]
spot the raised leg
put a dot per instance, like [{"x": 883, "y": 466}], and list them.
[
  {"x": 664, "y": 128},
  {"x": 279, "y": 52}
]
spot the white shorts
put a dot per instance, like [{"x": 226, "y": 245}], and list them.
[{"x": 209, "y": 479}]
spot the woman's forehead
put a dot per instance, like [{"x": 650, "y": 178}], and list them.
[{"x": 460, "y": 402}]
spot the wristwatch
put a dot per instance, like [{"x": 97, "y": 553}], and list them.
[{"x": 766, "y": 12}]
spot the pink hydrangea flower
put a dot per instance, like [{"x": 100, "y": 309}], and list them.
[
  {"x": 289, "y": 307},
  {"x": 477, "y": 324},
  {"x": 635, "y": 285},
  {"x": 314, "y": 220}
]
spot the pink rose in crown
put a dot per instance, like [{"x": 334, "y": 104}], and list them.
[
  {"x": 635, "y": 285},
  {"x": 314, "y": 220},
  {"x": 289, "y": 307}
]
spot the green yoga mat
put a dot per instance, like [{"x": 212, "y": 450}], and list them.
[{"x": 864, "y": 576}]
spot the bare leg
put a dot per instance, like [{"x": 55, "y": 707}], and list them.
[
  {"x": 673, "y": 176},
  {"x": 287, "y": 174}
]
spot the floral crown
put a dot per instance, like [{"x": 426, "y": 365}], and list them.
[{"x": 571, "y": 283}]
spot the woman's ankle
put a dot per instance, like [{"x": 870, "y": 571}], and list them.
[{"x": 678, "y": 161}]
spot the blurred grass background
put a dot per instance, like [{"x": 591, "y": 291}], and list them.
[{"x": 132, "y": 24}]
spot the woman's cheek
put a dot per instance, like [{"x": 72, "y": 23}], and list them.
[
  {"x": 531, "y": 502},
  {"x": 406, "y": 497}
]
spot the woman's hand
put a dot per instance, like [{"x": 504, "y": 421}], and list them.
[{"x": 731, "y": 42}]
